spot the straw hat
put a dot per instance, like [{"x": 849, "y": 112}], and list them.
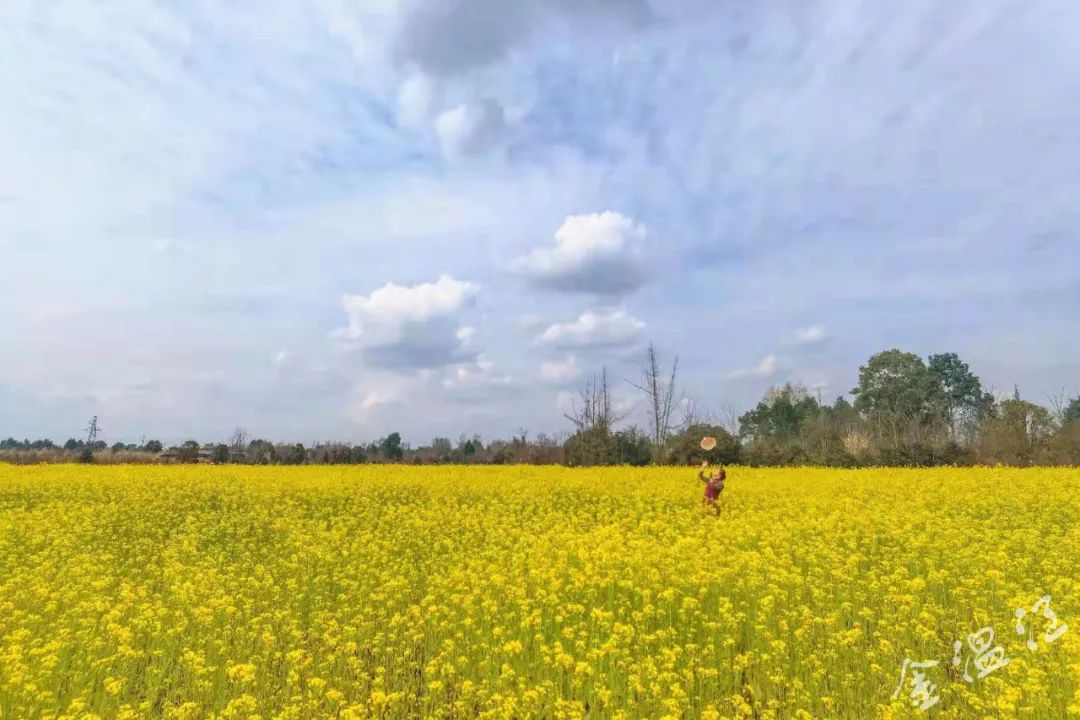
[{"x": 708, "y": 443}]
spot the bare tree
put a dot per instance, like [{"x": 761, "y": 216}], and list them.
[
  {"x": 659, "y": 390},
  {"x": 1059, "y": 401},
  {"x": 239, "y": 440},
  {"x": 729, "y": 418},
  {"x": 693, "y": 414},
  {"x": 593, "y": 407}
]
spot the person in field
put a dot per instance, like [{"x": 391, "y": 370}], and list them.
[
  {"x": 713, "y": 478},
  {"x": 714, "y": 484}
]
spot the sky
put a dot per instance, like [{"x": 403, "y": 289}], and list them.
[{"x": 333, "y": 219}]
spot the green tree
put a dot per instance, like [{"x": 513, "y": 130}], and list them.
[
  {"x": 961, "y": 391},
  {"x": 822, "y": 437},
  {"x": 594, "y": 445},
  {"x": 441, "y": 449},
  {"x": 1072, "y": 411},
  {"x": 1032, "y": 420},
  {"x": 220, "y": 453},
  {"x": 898, "y": 384},
  {"x": 779, "y": 415},
  {"x": 189, "y": 451},
  {"x": 1019, "y": 432},
  {"x": 390, "y": 447},
  {"x": 685, "y": 447},
  {"x": 153, "y": 446},
  {"x": 904, "y": 407},
  {"x": 633, "y": 447},
  {"x": 294, "y": 455}
]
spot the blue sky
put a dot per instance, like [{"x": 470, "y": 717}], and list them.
[{"x": 330, "y": 219}]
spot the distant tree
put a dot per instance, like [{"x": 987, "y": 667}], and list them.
[
  {"x": 261, "y": 452},
  {"x": 1072, "y": 411},
  {"x": 594, "y": 406},
  {"x": 1032, "y": 420},
  {"x": 86, "y": 455},
  {"x": 238, "y": 442},
  {"x": 153, "y": 446},
  {"x": 73, "y": 444},
  {"x": 904, "y": 407},
  {"x": 118, "y": 447},
  {"x": 390, "y": 447},
  {"x": 441, "y": 449},
  {"x": 898, "y": 384},
  {"x": 220, "y": 453},
  {"x": 294, "y": 455},
  {"x": 468, "y": 450},
  {"x": 779, "y": 415},
  {"x": 961, "y": 391},
  {"x": 831, "y": 435},
  {"x": 591, "y": 446},
  {"x": 1017, "y": 434},
  {"x": 633, "y": 447},
  {"x": 188, "y": 451},
  {"x": 685, "y": 447},
  {"x": 659, "y": 388}
]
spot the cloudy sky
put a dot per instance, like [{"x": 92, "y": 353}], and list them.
[{"x": 330, "y": 219}]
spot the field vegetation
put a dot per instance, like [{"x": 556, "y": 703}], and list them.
[{"x": 530, "y": 592}]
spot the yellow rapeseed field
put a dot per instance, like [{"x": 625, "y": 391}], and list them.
[{"x": 526, "y": 592}]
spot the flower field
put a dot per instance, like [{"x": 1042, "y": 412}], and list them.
[{"x": 525, "y": 592}]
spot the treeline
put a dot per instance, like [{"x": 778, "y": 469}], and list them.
[{"x": 906, "y": 411}]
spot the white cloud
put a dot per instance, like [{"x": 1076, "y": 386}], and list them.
[
  {"x": 412, "y": 326},
  {"x": 395, "y": 303},
  {"x": 812, "y": 335},
  {"x": 478, "y": 382},
  {"x": 379, "y": 398},
  {"x": 471, "y": 129},
  {"x": 560, "y": 371},
  {"x": 415, "y": 101},
  {"x": 610, "y": 328},
  {"x": 602, "y": 253},
  {"x": 766, "y": 368}
]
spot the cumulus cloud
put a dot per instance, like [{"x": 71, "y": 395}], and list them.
[
  {"x": 471, "y": 129},
  {"x": 415, "y": 326},
  {"x": 602, "y": 329},
  {"x": 602, "y": 253},
  {"x": 812, "y": 335},
  {"x": 766, "y": 368},
  {"x": 560, "y": 371}
]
